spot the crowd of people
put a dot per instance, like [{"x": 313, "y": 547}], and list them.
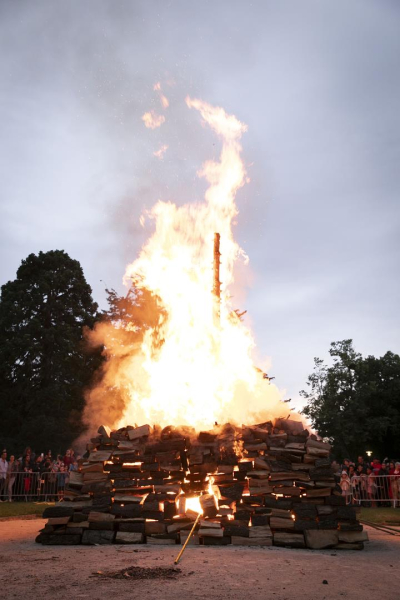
[
  {"x": 31, "y": 475},
  {"x": 368, "y": 483}
]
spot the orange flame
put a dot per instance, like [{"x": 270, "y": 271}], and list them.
[
  {"x": 152, "y": 120},
  {"x": 163, "y": 99},
  {"x": 201, "y": 373},
  {"x": 160, "y": 153}
]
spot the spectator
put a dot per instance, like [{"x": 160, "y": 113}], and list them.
[
  {"x": 355, "y": 486},
  {"x": 361, "y": 463},
  {"x": 391, "y": 479},
  {"x": 68, "y": 459},
  {"x": 74, "y": 465},
  {"x": 59, "y": 461},
  {"x": 3, "y": 475},
  {"x": 27, "y": 456},
  {"x": 371, "y": 486},
  {"x": 384, "y": 485},
  {"x": 33, "y": 476},
  {"x": 62, "y": 476},
  {"x": 396, "y": 485},
  {"x": 27, "y": 479},
  {"x": 345, "y": 465},
  {"x": 37, "y": 467},
  {"x": 345, "y": 486},
  {"x": 362, "y": 474},
  {"x": 13, "y": 467},
  {"x": 376, "y": 466}
]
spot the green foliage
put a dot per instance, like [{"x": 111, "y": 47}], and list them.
[
  {"x": 19, "y": 509},
  {"x": 356, "y": 402},
  {"x": 44, "y": 366},
  {"x": 380, "y": 516}
]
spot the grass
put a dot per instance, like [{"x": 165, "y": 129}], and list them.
[
  {"x": 379, "y": 516},
  {"x": 18, "y": 509}
]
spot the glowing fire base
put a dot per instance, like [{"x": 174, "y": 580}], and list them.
[{"x": 262, "y": 485}]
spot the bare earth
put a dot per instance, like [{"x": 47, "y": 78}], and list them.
[{"x": 33, "y": 571}]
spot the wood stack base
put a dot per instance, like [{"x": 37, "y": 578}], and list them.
[{"x": 272, "y": 485}]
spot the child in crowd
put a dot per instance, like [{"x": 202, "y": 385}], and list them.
[{"x": 346, "y": 486}]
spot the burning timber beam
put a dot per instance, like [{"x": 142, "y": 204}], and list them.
[{"x": 217, "y": 283}]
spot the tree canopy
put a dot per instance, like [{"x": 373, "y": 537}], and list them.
[
  {"x": 356, "y": 402},
  {"x": 44, "y": 365}
]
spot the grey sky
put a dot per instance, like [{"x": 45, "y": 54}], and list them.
[{"x": 318, "y": 84}]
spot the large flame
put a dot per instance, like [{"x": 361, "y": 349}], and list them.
[{"x": 202, "y": 372}]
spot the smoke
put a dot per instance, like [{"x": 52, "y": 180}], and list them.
[{"x": 120, "y": 334}]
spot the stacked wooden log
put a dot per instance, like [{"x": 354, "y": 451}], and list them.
[{"x": 261, "y": 485}]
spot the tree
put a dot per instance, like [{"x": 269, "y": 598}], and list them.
[
  {"x": 44, "y": 365},
  {"x": 356, "y": 401}
]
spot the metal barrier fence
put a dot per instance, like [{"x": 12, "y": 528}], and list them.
[
  {"x": 363, "y": 490},
  {"x": 376, "y": 490},
  {"x": 31, "y": 487}
]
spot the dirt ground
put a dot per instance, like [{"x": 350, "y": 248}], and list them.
[{"x": 31, "y": 571}]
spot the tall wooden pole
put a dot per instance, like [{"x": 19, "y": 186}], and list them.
[{"x": 217, "y": 283}]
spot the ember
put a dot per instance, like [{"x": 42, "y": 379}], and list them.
[{"x": 138, "y": 484}]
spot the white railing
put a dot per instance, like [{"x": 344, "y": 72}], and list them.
[
  {"x": 30, "y": 487},
  {"x": 378, "y": 490}
]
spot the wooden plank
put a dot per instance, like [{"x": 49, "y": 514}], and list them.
[
  {"x": 350, "y": 537},
  {"x": 209, "y": 532},
  {"x": 317, "y": 444},
  {"x": 243, "y": 541},
  {"x": 58, "y": 521},
  {"x": 279, "y": 512},
  {"x": 139, "y": 432},
  {"x": 99, "y": 456},
  {"x": 92, "y": 468},
  {"x": 317, "y": 452},
  {"x": 318, "y": 493},
  {"x": 258, "y": 474},
  {"x": 92, "y": 537},
  {"x": 288, "y": 491},
  {"x": 176, "y": 527},
  {"x": 259, "y": 463},
  {"x": 281, "y": 523},
  {"x": 104, "y": 430},
  {"x": 97, "y": 517},
  {"x": 154, "y": 527},
  {"x": 194, "y": 540},
  {"x": 262, "y": 531},
  {"x": 317, "y": 539},
  {"x": 354, "y": 546},
  {"x": 129, "y": 537},
  {"x": 294, "y": 540},
  {"x": 82, "y": 524},
  {"x": 129, "y": 499},
  {"x": 154, "y": 541},
  {"x": 295, "y": 446}
]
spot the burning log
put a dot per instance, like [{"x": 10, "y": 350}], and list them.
[
  {"x": 217, "y": 283},
  {"x": 182, "y": 489}
]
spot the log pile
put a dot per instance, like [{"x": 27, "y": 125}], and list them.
[{"x": 272, "y": 484}]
